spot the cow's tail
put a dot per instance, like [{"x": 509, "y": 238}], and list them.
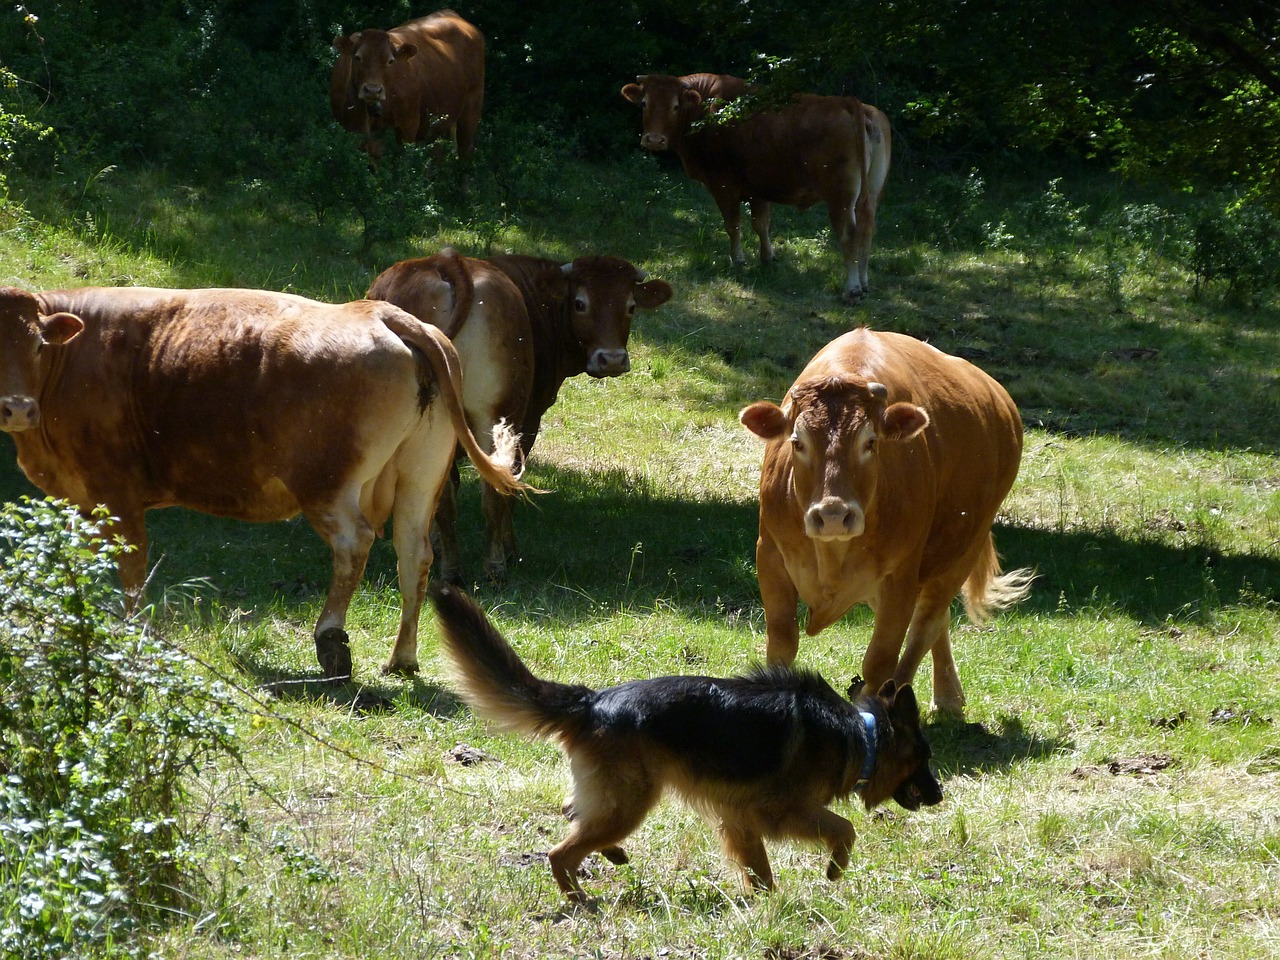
[
  {"x": 455, "y": 273},
  {"x": 988, "y": 590},
  {"x": 496, "y": 469},
  {"x": 493, "y": 680}
]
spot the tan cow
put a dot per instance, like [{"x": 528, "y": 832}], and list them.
[
  {"x": 423, "y": 79},
  {"x": 885, "y": 466},
  {"x": 829, "y": 149},
  {"x": 522, "y": 326},
  {"x": 244, "y": 404}
]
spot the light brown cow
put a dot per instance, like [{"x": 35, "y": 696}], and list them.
[
  {"x": 522, "y": 326},
  {"x": 245, "y": 404},
  {"x": 885, "y": 466},
  {"x": 830, "y": 149},
  {"x": 423, "y": 79}
]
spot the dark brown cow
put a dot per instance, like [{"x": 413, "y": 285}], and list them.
[
  {"x": 423, "y": 79},
  {"x": 522, "y": 326},
  {"x": 885, "y": 466},
  {"x": 829, "y": 149},
  {"x": 245, "y": 404}
]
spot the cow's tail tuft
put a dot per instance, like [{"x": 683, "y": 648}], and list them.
[
  {"x": 988, "y": 589},
  {"x": 490, "y": 676}
]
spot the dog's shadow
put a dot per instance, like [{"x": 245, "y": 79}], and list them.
[{"x": 968, "y": 749}]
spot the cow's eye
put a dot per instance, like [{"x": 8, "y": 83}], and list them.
[
  {"x": 631, "y": 309},
  {"x": 871, "y": 444},
  {"x": 580, "y": 305},
  {"x": 796, "y": 443}
]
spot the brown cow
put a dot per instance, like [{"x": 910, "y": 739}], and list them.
[
  {"x": 245, "y": 404},
  {"x": 833, "y": 149},
  {"x": 885, "y": 466},
  {"x": 522, "y": 326},
  {"x": 423, "y": 79}
]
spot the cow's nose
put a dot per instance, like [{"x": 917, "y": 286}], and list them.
[
  {"x": 608, "y": 363},
  {"x": 18, "y": 413},
  {"x": 653, "y": 141},
  {"x": 834, "y": 519},
  {"x": 371, "y": 91}
]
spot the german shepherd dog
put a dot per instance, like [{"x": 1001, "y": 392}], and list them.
[{"x": 760, "y": 755}]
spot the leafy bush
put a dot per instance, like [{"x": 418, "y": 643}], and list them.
[
  {"x": 99, "y": 723},
  {"x": 1238, "y": 244}
]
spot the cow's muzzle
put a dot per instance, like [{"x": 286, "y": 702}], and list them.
[
  {"x": 373, "y": 96},
  {"x": 18, "y": 413},
  {"x": 608, "y": 363},
  {"x": 832, "y": 518},
  {"x": 654, "y": 141}
]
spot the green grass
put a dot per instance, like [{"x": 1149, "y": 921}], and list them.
[{"x": 1115, "y": 791}]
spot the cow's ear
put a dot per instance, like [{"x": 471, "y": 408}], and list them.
[
  {"x": 405, "y": 51},
  {"x": 652, "y": 293},
  {"x": 633, "y": 92},
  {"x": 346, "y": 44},
  {"x": 59, "y": 328},
  {"x": 902, "y": 421},
  {"x": 766, "y": 420},
  {"x": 690, "y": 98}
]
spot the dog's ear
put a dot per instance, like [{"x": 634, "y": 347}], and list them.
[
  {"x": 888, "y": 689},
  {"x": 904, "y": 703}
]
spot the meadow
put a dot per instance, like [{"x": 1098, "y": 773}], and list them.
[{"x": 1114, "y": 788}]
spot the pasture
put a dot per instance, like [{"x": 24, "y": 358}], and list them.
[{"x": 1114, "y": 790}]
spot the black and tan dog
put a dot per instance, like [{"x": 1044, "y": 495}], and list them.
[{"x": 761, "y": 755}]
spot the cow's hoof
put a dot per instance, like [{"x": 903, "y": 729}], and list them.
[
  {"x": 853, "y": 297},
  {"x": 333, "y": 652},
  {"x": 496, "y": 572},
  {"x": 393, "y": 668}
]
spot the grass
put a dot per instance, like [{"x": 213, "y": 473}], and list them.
[{"x": 1114, "y": 791}]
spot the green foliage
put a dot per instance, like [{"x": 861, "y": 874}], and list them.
[
  {"x": 99, "y": 723},
  {"x": 1236, "y": 243}
]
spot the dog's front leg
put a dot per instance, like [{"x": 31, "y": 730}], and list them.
[
  {"x": 838, "y": 834},
  {"x": 745, "y": 847}
]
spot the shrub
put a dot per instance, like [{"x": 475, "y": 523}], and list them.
[
  {"x": 99, "y": 723},
  {"x": 1236, "y": 244}
]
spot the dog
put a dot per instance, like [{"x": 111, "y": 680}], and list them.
[{"x": 761, "y": 755}]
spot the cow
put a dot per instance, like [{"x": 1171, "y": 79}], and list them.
[
  {"x": 884, "y": 468},
  {"x": 812, "y": 148},
  {"x": 423, "y": 79},
  {"x": 522, "y": 325},
  {"x": 245, "y": 404}
]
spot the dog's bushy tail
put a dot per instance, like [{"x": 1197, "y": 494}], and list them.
[{"x": 493, "y": 680}]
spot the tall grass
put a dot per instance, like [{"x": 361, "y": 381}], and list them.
[{"x": 1114, "y": 791}]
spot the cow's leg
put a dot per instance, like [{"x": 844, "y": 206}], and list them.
[
  {"x": 349, "y": 535},
  {"x": 730, "y": 205},
  {"x": 893, "y": 614},
  {"x": 930, "y": 633},
  {"x": 761, "y": 217},
  {"x": 499, "y": 533},
  {"x": 780, "y": 599},
  {"x": 445, "y": 531},
  {"x": 844, "y": 229},
  {"x": 864, "y": 229},
  {"x": 419, "y": 486},
  {"x": 468, "y": 120},
  {"x": 132, "y": 564}
]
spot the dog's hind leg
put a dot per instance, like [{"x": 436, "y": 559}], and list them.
[
  {"x": 614, "y": 854},
  {"x": 743, "y": 845},
  {"x": 607, "y": 805}
]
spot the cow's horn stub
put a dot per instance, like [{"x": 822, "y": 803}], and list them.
[
  {"x": 641, "y": 275},
  {"x": 567, "y": 268},
  {"x": 877, "y": 390}
]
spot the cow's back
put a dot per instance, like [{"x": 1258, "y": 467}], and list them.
[
  {"x": 448, "y": 69},
  {"x": 232, "y": 402}
]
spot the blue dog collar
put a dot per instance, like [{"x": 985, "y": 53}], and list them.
[{"x": 869, "y": 760}]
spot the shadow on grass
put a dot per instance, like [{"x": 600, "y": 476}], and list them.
[{"x": 963, "y": 749}]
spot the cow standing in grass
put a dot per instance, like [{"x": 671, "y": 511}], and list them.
[
  {"x": 245, "y": 404},
  {"x": 423, "y": 79},
  {"x": 810, "y": 149},
  {"x": 884, "y": 470},
  {"x": 522, "y": 326}
]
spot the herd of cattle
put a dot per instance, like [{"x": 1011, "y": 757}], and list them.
[{"x": 884, "y": 465}]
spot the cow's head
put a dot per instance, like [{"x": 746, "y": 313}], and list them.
[
  {"x": 23, "y": 334},
  {"x": 601, "y": 296},
  {"x": 669, "y": 105},
  {"x": 834, "y": 426},
  {"x": 374, "y": 55}
]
